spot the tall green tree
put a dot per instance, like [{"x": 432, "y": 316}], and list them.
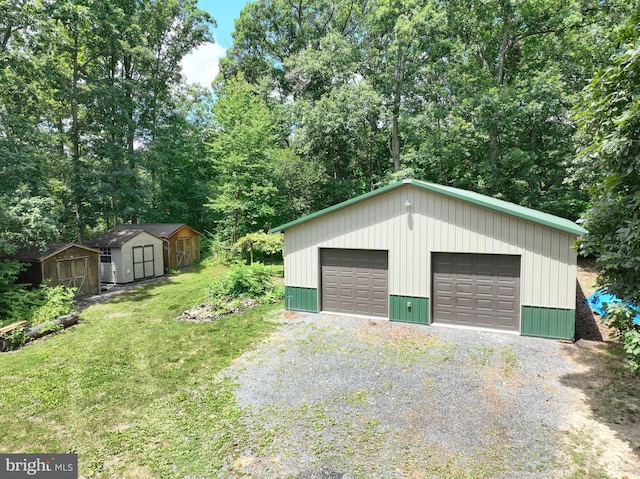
[
  {"x": 242, "y": 186},
  {"x": 498, "y": 120},
  {"x": 609, "y": 121},
  {"x": 177, "y": 162},
  {"x": 27, "y": 210},
  {"x": 135, "y": 81},
  {"x": 473, "y": 94},
  {"x": 405, "y": 44}
]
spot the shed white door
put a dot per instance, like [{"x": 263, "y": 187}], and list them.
[
  {"x": 354, "y": 281},
  {"x": 143, "y": 262},
  {"x": 481, "y": 290}
]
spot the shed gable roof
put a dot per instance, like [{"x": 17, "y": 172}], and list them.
[
  {"x": 163, "y": 230},
  {"x": 34, "y": 253},
  {"x": 478, "y": 199},
  {"x": 117, "y": 236}
]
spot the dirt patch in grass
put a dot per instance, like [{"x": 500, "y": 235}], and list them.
[
  {"x": 603, "y": 434},
  {"x": 588, "y": 325},
  {"x": 604, "y": 423}
]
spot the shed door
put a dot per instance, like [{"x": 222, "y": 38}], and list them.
[
  {"x": 73, "y": 273},
  {"x": 480, "y": 290},
  {"x": 143, "y": 262},
  {"x": 184, "y": 251},
  {"x": 354, "y": 281}
]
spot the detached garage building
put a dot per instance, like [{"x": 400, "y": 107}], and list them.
[
  {"x": 426, "y": 253},
  {"x": 127, "y": 254}
]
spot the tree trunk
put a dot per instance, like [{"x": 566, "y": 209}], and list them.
[
  {"x": 130, "y": 139},
  {"x": 75, "y": 144},
  {"x": 395, "y": 141},
  {"x": 397, "y": 98},
  {"x": 234, "y": 232}
]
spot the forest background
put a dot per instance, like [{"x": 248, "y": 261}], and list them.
[{"x": 317, "y": 101}]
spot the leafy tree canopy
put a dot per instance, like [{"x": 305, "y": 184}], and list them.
[{"x": 609, "y": 121}]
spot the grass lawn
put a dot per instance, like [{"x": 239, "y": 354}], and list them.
[{"x": 131, "y": 390}]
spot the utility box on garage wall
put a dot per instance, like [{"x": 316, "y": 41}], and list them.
[{"x": 457, "y": 257}]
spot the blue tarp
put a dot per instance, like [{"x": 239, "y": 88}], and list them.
[{"x": 599, "y": 302}]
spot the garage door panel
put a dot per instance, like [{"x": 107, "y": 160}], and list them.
[
  {"x": 484, "y": 290},
  {"x": 444, "y": 287},
  {"x": 379, "y": 295},
  {"x": 484, "y": 319},
  {"x": 446, "y": 302},
  {"x": 464, "y": 318},
  {"x": 363, "y": 294},
  {"x": 476, "y": 289},
  {"x": 486, "y": 304},
  {"x": 506, "y": 292},
  {"x": 362, "y": 276},
  {"x": 506, "y": 306},
  {"x": 465, "y": 303},
  {"x": 346, "y": 293}
]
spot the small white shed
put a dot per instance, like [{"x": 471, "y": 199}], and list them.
[
  {"x": 426, "y": 253},
  {"x": 127, "y": 254}
]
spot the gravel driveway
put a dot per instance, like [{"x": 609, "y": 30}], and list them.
[{"x": 338, "y": 397}]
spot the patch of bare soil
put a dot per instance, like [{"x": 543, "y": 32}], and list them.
[
  {"x": 588, "y": 325},
  {"x": 390, "y": 332},
  {"x": 202, "y": 313},
  {"x": 110, "y": 291},
  {"x": 606, "y": 416}
]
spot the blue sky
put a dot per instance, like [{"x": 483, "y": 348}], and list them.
[{"x": 201, "y": 66}]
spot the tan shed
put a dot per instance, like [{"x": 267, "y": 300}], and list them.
[
  {"x": 181, "y": 243},
  {"x": 128, "y": 253},
  {"x": 64, "y": 264},
  {"x": 426, "y": 253}
]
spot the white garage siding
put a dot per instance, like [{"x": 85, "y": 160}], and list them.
[{"x": 436, "y": 223}]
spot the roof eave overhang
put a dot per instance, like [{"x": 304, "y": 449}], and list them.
[{"x": 500, "y": 206}]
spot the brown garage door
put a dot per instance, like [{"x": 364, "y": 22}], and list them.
[
  {"x": 480, "y": 290},
  {"x": 354, "y": 281}
]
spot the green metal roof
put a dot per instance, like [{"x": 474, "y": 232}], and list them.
[{"x": 478, "y": 199}]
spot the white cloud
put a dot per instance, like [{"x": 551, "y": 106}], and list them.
[{"x": 203, "y": 64}]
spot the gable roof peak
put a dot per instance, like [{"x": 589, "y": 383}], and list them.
[{"x": 495, "y": 204}]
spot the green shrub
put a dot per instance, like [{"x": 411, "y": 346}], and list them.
[
  {"x": 16, "y": 338},
  {"x": 631, "y": 345},
  {"x": 214, "y": 251},
  {"x": 39, "y": 305},
  {"x": 620, "y": 317},
  {"x": 22, "y": 303},
  {"x": 242, "y": 287},
  {"x": 57, "y": 302},
  {"x": 243, "y": 281}
]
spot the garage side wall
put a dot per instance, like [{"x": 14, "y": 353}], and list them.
[{"x": 436, "y": 223}]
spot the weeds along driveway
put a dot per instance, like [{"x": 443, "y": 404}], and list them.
[{"x": 338, "y": 397}]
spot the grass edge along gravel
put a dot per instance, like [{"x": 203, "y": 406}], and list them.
[{"x": 131, "y": 390}]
